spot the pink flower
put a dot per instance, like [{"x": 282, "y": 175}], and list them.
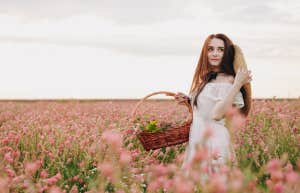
[
  {"x": 269, "y": 183},
  {"x": 184, "y": 186},
  {"x": 26, "y": 183},
  {"x": 75, "y": 178},
  {"x": 32, "y": 167},
  {"x": 129, "y": 131},
  {"x": 273, "y": 165},
  {"x": 225, "y": 169},
  {"x": 106, "y": 169},
  {"x": 292, "y": 177},
  {"x": 8, "y": 157},
  {"x": 167, "y": 185},
  {"x": 205, "y": 168},
  {"x": 112, "y": 137},
  {"x": 16, "y": 154},
  {"x": 201, "y": 154},
  {"x": 74, "y": 189},
  {"x": 10, "y": 172},
  {"x": 53, "y": 179},
  {"x": 236, "y": 184},
  {"x": 195, "y": 175},
  {"x": 44, "y": 174},
  {"x": 278, "y": 187},
  {"x": 153, "y": 186},
  {"x": 215, "y": 154},
  {"x": 217, "y": 183},
  {"x": 276, "y": 175},
  {"x": 160, "y": 170},
  {"x": 18, "y": 179},
  {"x": 4, "y": 184},
  {"x": 238, "y": 121},
  {"x": 288, "y": 167},
  {"x": 55, "y": 189},
  {"x": 208, "y": 132},
  {"x": 295, "y": 129},
  {"x": 125, "y": 158},
  {"x": 249, "y": 155}
]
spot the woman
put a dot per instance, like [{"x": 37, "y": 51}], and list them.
[{"x": 221, "y": 80}]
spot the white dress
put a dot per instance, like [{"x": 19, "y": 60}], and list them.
[{"x": 220, "y": 138}]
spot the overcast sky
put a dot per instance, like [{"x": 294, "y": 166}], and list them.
[{"x": 128, "y": 49}]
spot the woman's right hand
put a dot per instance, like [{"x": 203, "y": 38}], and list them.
[
  {"x": 242, "y": 76},
  {"x": 181, "y": 98}
]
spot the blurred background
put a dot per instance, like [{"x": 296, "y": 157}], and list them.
[{"x": 114, "y": 49}]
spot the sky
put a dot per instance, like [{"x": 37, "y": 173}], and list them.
[{"x": 105, "y": 49}]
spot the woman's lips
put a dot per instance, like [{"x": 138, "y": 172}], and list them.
[{"x": 215, "y": 59}]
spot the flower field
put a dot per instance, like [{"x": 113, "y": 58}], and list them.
[{"x": 90, "y": 146}]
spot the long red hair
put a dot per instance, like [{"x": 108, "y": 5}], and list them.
[{"x": 203, "y": 66}]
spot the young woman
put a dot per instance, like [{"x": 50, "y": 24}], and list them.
[{"x": 221, "y": 80}]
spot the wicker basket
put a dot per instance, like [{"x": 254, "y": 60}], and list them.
[{"x": 169, "y": 137}]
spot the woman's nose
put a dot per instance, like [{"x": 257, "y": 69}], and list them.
[{"x": 215, "y": 53}]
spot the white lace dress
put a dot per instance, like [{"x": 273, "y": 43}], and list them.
[{"x": 220, "y": 139}]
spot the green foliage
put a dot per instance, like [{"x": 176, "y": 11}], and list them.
[{"x": 152, "y": 126}]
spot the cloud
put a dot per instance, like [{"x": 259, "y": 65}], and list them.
[
  {"x": 145, "y": 12},
  {"x": 51, "y": 36},
  {"x": 122, "y": 12},
  {"x": 252, "y": 12},
  {"x": 153, "y": 28}
]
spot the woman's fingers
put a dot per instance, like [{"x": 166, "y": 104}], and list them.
[
  {"x": 249, "y": 76},
  {"x": 243, "y": 75},
  {"x": 181, "y": 98}
]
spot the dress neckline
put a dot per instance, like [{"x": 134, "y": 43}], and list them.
[{"x": 226, "y": 83}]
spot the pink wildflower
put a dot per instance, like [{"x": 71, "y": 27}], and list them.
[
  {"x": 125, "y": 158},
  {"x": 44, "y": 174},
  {"x": 106, "y": 169},
  {"x": 32, "y": 167},
  {"x": 292, "y": 177},
  {"x": 113, "y": 138},
  {"x": 8, "y": 157},
  {"x": 278, "y": 187},
  {"x": 55, "y": 189},
  {"x": 273, "y": 165}
]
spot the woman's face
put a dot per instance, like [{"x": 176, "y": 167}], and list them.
[{"x": 215, "y": 51}]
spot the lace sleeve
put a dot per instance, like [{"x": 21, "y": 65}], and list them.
[{"x": 238, "y": 100}]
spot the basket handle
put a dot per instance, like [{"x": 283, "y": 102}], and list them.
[{"x": 167, "y": 93}]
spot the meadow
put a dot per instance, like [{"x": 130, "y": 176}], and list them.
[{"x": 90, "y": 146}]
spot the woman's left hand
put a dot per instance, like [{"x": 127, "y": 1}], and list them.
[{"x": 181, "y": 98}]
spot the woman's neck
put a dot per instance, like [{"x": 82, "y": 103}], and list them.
[{"x": 215, "y": 68}]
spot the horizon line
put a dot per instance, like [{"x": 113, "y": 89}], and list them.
[{"x": 117, "y": 99}]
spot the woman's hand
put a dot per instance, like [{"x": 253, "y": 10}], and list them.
[
  {"x": 242, "y": 77},
  {"x": 181, "y": 98}
]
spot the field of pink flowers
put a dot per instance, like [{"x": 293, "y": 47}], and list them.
[{"x": 72, "y": 146}]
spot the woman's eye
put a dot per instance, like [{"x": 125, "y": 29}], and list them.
[
  {"x": 221, "y": 49},
  {"x": 210, "y": 49}
]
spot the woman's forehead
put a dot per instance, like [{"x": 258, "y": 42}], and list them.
[{"x": 216, "y": 42}]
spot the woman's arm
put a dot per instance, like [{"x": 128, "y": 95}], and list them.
[
  {"x": 222, "y": 106},
  {"x": 242, "y": 77}
]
